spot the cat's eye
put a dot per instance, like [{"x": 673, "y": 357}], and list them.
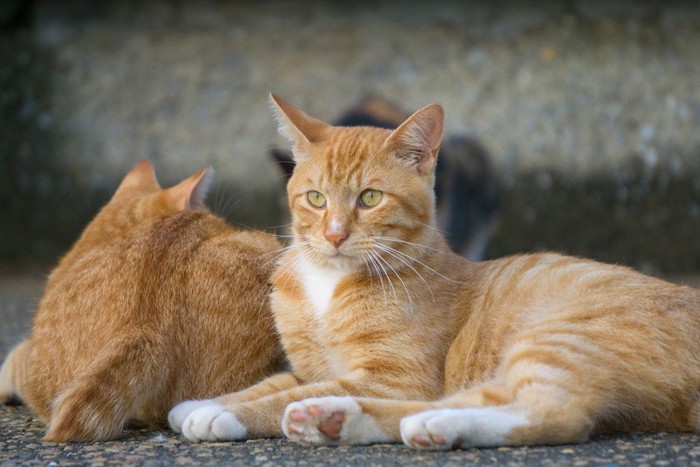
[
  {"x": 316, "y": 199},
  {"x": 370, "y": 198}
]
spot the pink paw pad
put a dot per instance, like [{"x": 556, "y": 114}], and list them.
[{"x": 331, "y": 425}]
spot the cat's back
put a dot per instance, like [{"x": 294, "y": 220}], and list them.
[
  {"x": 609, "y": 309},
  {"x": 546, "y": 286},
  {"x": 193, "y": 285}
]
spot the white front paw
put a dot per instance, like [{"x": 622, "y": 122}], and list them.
[
  {"x": 330, "y": 420},
  {"x": 425, "y": 430},
  {"x": 181, "y": 411},
  {"x": 210, "y": 422},
  {"x": 465, "y": 428}
]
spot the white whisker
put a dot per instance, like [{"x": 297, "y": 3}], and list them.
[
  {"x": 432, "y": 227},
  {"x": 410, "y": 258},
  {"x": 281, "y": 252},
  {"x": 301, "y": 255},
  {"x": 408, "y": 295},
  {"x": 417, "y": 245},
  {"x": 379, "y": 274},
  {"x": 388, "y": 251}
]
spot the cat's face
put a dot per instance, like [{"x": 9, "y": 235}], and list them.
[{"x": 361, "y": 196}]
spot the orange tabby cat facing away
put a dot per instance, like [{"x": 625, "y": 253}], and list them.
[
  {"x": 158, "y": 301},
  {"x": 393, "y": 337}
]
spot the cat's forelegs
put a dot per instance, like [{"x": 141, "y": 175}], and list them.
[
  {"x": 262, "y": 418},
  {"x": 213, "y": 421},
  {"x": 347, "y": 420}
]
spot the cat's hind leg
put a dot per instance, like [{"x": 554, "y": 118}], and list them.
[
  {"x": 12, "y": 374},
  {"x": 120, "y": 382}
]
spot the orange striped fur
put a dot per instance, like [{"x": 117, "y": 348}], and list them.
[
  {"x": 393, "y": 337},
  {"x": 157, "y": 302}
]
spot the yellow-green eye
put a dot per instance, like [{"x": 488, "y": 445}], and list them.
[
  {"x": 370, "y": 198},
  {"x": 316, "y": 199}
]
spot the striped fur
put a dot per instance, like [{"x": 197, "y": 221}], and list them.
[
  {"x": 418, "y": 344},
  {"x": 158, "y": 301}
]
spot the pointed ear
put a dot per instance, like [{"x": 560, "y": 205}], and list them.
[
  {"x": 141, "y": 176},
  {"x": 417, "y": 140},
  {"x": 191, "y": 192},
  {"x": 293, "y": 124}
]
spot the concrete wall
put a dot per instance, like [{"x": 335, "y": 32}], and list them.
[{"x": 591, "y": 109}]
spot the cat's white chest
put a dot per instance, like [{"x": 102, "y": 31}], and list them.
[{"x": 319, "y": 285}]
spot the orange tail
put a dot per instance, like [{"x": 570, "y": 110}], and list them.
[
  {"x": 123, "y": 379},
  {"x": 12, "y": 374}
]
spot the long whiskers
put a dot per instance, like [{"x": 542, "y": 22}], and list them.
[
  {"x": 391, "y": 253},
  {"x": 408, "y": 294},
  {"x": 301, "y": 256},
  {"x": 377, "y": 265},
  {"x": 370, "y": 261},
  {"x": 410, "y": 258},
  {"x": 417, "y": 245},
  {"x": 277, "y": 254},
  {"x": 444, "y": 232}
]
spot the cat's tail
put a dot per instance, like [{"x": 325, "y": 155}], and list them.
[
  {"x": 121, "y": 382},
  {"x": 12, "y": 374}
]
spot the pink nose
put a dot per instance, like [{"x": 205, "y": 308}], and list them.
[{"x": 336, "y": 238}]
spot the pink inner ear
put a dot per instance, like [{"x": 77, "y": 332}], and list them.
[
  {"x": 419, "y": 137},
  {"x": 293, "y": 124},
  {"x": 191, "y": 192}
]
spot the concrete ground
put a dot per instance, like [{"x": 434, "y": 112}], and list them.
[
  {"x": 20, "y": 443},
  {"x": 21, "y": 432}
]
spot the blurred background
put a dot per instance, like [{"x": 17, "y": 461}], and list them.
[{"x": 589, "y": 110}]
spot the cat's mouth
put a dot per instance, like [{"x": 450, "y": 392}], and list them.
[{"x": 340, "y": 260}]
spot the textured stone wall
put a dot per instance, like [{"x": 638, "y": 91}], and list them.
[{"x": 591, "y": 109}]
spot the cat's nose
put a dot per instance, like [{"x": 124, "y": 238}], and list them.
[{"x": 335, "y": 237}]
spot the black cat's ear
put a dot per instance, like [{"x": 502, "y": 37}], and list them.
[
  {"x": 294, "y": 125},
  {"x": 417, "y": 140},
  {"x": 142, "y": 176},
  {"x": 284, "y": 159}
]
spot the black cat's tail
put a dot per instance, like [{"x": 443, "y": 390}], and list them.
[
  {"x": 468, "y": 193},
  {"x": 12, "y": 374}
]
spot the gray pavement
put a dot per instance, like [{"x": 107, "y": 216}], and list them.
[
  {"x": 21, "y": 432},
  {"x": 20, "y": 443}
]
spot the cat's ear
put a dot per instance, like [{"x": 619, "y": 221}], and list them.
[
  {"x": 141, "y": 176},
  {"x": 293, "y": 124},
  {"x": 417, "y": 140},
  {"x": 190, "y": 193}
]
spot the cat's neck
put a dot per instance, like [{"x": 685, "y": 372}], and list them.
[{"x": 319, "y": 282}]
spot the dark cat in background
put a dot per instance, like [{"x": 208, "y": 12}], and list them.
[{"x": 465, "y": 183}]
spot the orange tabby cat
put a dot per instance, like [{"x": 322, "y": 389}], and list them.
[
  {"x": 439, "y": 351},
  {"x": 158, "y": 301}
]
